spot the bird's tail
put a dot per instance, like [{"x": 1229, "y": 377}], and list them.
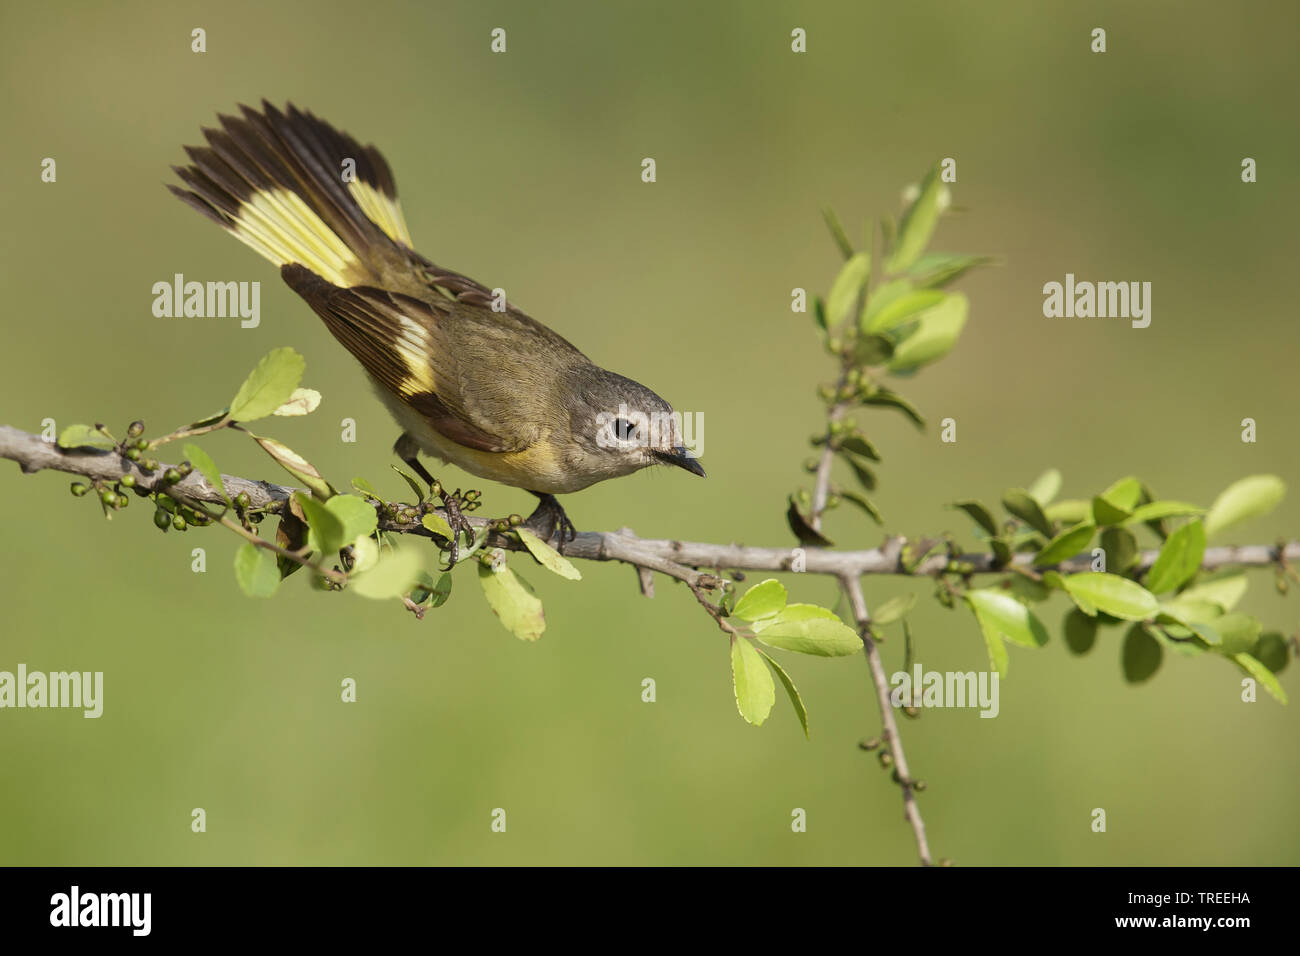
[{"x": 298, "y": 191}]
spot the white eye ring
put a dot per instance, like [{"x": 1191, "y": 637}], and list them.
[{"x": 624, "y": 430}]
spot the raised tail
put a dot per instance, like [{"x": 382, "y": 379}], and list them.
[{"x": 298, "y": 191}]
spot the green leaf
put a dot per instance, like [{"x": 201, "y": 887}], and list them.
[
  {"x": 437, "y": 524},
  {"x": 325, "y": 531},
  {"x": 1224, "y": 591},
  {"x": 84, "y": 436},
  {"x": 363, "y": 486},
  {"x": 295, "y": 464},
  {"x": 256, "y": 570},
  {"x": 365, "y": 555},
  {"x": 1179, "y": 559},
  {"x": 1066, "y": 544},
  {"x": 547, "y": 556},
  {"x": 519, "y": 611},
  {"x": 1045, "y": 487},
  {"x": 936, "y": 333},
  {"x": 977, "y": 513},
  {"x": 441, "y": 590},
  {"x": 837, "y": 232},
  {"x": 1080, "y": 631},
  {"x": 1069, "y": 511},
  {"x": 1156, "y": 510},
  {"x": 808, "y": 629},
  {"x": 901, "y": 308},
  {"x": 866, "y": 478},
  {"x": 872, "y": 350},
  {"x": 1192, "y": 615},
  {"x": 1000, "y": 612},
  {"x": 937, "y": 269},
  {"x": 917, "y": 227},
  {"x": 410, "y": 481},
  {"x": 1119, "y": 597},
  {"x": 356, "y": 516},
  {"x": 1247, "y": 498},
  {"x": 790, "y": 689},
  {"x": 846, "y": 288},
  {"x": 755, "y": 692},
  {"x": 992, "y": 632},
  {"x": 1142, "y": 655},
  {"x": 1271, "y": 651},
  {"x": 1121, "y": 549},
  {"x": 207, "y": 468},
  {"x": 1116, "y": 503},
  {"x": 859, "y": 445},
  {"x": 766, "y": 599},
  {"x": 303, "y": 401},
  {"x": 1018, "y": 503},
  {"x": 210, "y": 419},
  {"x": 269, "y": 385},
  {"x": 1238, "y": 633},
  {"x": 883, "y": 295},
  {"x": 895, "y": 609},
  {"x": 865, "y": 503},
  {"x": 396, "y": 573},
  {"x": 1262, "y": 674},
  {"x": 891, "y": 399}
]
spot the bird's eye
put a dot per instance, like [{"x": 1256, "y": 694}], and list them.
[{"x": 624, "y": 430}]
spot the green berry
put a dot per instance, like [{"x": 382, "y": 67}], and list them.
[
  {"x": 162, "y": 520},
  {"x": 142, "y": 444},
  {"x": 171, "y": 476},
  {"x": 128, "y": 481},
  {"x": 135, "y": 429},
  {"x": 184, "y": 468},
  {"x": 121, "y": 501},
  {"x": 108, "y": 496},
  {"x": 149, "y": 464},
  {"x": 178, "y": 523},
  {"x": 79, "y": 488},
  {"x": 242, "y": 501},
  {"x": 133, "y": 454}
]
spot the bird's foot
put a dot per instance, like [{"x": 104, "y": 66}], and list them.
[
  {"x": 548, "y": 518},
  {"x": 456, "y": 520}
]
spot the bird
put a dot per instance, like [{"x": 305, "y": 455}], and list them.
[{"x": 468, "y": 377}]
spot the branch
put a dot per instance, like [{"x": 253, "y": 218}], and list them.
[
  {"x": 880, "y": 680},
  {"x": 677, "y": 559}
]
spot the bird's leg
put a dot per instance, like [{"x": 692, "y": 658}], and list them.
[
  {"x": 406, "y": 449},
  {"x": 549, "y": 517}
]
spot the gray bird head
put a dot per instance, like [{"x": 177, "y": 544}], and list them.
[{"x": 619, "y": 426}]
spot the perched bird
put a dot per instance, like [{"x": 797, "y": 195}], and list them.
[{"x": 469, "y": 378}]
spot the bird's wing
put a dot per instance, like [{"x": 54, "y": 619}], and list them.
[{"x": 411, "y": 348}]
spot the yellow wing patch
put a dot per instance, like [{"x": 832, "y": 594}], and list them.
[
  {"x": 280, "y": 226},
  {"x": 383, "y": 212}
]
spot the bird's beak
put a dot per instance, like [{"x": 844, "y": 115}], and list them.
[{"x": 680, "y": 457}]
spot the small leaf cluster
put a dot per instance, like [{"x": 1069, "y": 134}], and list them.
[{"x": 1169, "y": 606}]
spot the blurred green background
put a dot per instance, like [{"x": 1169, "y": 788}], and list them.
[{"x": 522, "y": 170}]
